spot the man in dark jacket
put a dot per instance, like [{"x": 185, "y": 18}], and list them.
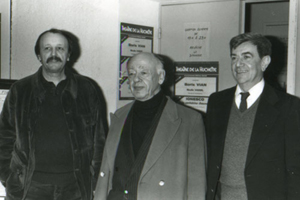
[
  {"x": 52, "y": 128},
  {"x": 253, "y": 131}
]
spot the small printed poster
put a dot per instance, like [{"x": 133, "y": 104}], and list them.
[
  {"x": 197, "y": 37},
  {"x": 3, "y": 94},
  {"x": 134, "y": 39},
  {"x": 195, "y": 81}
]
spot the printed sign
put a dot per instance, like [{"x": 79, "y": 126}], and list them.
[
  {"x": 134, "y": 39},
  {"x": 197, "y": 37},
  {"x": 195, "y": 81}
]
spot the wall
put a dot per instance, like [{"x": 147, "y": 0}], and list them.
[
  {"x": 168, "y": 2},
  {"x": 94, "y": 22},
  {"x": 5, "y": 38},
  {"x": 269, "y": 13}
]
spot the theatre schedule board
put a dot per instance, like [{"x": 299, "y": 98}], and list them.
[
  {"x": 134, "y": 39},
  {"x": 194, "y": 82}
]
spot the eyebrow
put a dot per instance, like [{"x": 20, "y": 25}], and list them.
[
  {"x": 138, "y": 66},
  {"x": 247, "y": 52},
  {"x": 244, "y": 53}
]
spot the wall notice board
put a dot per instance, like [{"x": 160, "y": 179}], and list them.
[
  {"x": 194, "y": 82},
  {"x": 134, "y": 39},
  {"x": 5, "y": 85}
]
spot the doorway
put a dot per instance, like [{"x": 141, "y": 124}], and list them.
[{"x": 271, "y": 19}]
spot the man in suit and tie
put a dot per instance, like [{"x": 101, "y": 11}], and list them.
[
  {"x": 253, "y": 131},
  {"x": 155, "y": 148}
]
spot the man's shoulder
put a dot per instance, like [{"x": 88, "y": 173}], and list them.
[
  {"x": 24, "y": 82},
  {"x": 223, "y": 93},
  {"x": 86, "y": 84},
  {"x": 283, "y": 97},
  {"x": 81, "y": 79},
  {"x": 182, "y": 110},
  {"x": 124, "y": 109}
]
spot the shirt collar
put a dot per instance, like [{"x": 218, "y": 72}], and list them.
[
  {"x": 255, "y": 93},
  {"x": 71, "y": 85}
]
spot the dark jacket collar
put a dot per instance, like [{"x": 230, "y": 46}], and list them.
[{"x": 39, "y": 90}]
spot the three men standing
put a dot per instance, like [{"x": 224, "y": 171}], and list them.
[
  {"x": 253, "y": 131},
  {"x": 52, "y": 128}
]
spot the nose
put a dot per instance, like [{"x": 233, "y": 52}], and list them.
[
  {"x": 136, "y": 78},
  {"x": 53, "y": 52},
  {"x": 239, "y": 62}
]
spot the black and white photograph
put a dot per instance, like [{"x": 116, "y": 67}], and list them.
[{"x": 150, "y": 100}]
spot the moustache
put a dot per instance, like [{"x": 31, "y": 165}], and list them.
[{"x": 54, "y": 58}]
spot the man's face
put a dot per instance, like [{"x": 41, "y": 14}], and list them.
[
  {"x": 143, "y": 78},
  {"x": 246, "y": 65},
  {"x": 54, "y": 52}
]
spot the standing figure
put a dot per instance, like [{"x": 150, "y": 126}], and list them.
[
  {"x": 155, "y": 148},
  {"x": 253, "y": 131},
  {"x": 52, "y": 128}
]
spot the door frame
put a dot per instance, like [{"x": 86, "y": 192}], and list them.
[{"x": 292, "y": 38}]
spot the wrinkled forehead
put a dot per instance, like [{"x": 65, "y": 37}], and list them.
[
  {"x": 245, "y": 47},
  {"x": 53, "y": 38},
  {"x": 141, "y": 62}
]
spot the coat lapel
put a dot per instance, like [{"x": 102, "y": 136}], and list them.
[
  {"x": 117, "y": 121},
  {"x": 166, "y": 129},
  {"x": 265, "y": 117}
]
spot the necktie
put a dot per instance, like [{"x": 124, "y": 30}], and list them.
[{"x": 243, "y": 105}]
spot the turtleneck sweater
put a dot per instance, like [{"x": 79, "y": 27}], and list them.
[{"x": 143, "y": 115}]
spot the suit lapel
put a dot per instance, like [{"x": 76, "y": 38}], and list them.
[
  {"x": 265, "y": 117},
  {"x": 117, "y": 121},
  {"x": 166, "y": 129}
]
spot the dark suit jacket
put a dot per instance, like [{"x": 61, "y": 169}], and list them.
[{"x": 272, "y": 169}]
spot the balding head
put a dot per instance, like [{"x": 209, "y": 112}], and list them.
[{"x": 145, "y": 74}]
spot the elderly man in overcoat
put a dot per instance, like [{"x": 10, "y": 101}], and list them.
[{"x": 155, "y": 148}]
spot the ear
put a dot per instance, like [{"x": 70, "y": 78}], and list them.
[
  {"x": 39, "y": 58},
  {"x": 161, "y": 75},
  {"x": 265, "y": 62}
]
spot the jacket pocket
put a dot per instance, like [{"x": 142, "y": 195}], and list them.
[
  {"x": 89, "y": 123},
  {"x": 16, "y": 179}
]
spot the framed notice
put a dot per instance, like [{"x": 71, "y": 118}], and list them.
[
  {"x": 134, "y": 39},
  {"x": 194, "y": 82},
  {"x": 197, "y": 41},
  {"x": 5, "y": 85}
]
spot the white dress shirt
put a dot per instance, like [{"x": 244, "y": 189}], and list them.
[{"x": 255, "y": 92}]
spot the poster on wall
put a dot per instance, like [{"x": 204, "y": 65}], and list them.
[
  {"x": 196, "y": 41},
  {"x": 134, "y": 39},
  {"x": 5, "y": 85},
  {"x": 194, "y": 82}
]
